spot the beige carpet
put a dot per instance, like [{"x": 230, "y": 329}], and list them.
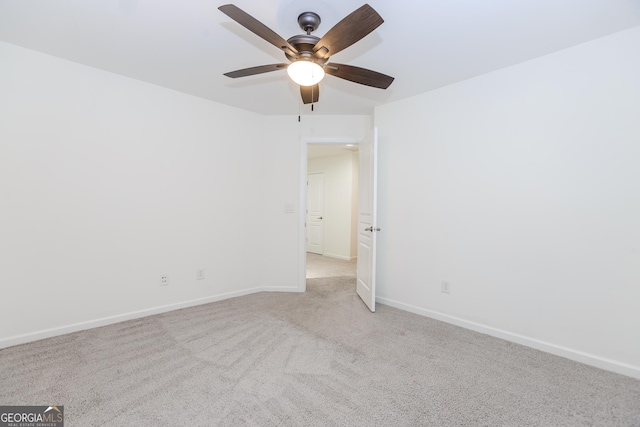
[{"x": 318, "y": 358}]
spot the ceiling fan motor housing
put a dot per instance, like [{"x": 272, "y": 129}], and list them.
[{"x": 304, "y": 44}]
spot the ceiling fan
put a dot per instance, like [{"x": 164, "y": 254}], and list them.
[{"x": 309, "y": 55}]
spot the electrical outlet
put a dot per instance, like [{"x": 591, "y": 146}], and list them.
[
  {"x": 445, "y": 287},
  {"x": 164, "y": 279},
  {"x": 200, "y": 274}
]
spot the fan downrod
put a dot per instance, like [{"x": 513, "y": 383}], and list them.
[{"x": 309, "y": 22}]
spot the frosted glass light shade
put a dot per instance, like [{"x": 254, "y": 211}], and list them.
[{"x": 305, "y": 73}]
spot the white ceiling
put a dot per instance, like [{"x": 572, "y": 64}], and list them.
[{"x": 425, "y": 44}]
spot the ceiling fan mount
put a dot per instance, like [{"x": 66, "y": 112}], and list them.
[
  {"x": 312, "y": 53},
  {"x": 309, "y": 21}
]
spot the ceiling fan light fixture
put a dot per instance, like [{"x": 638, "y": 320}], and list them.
[{"x": 305, "y": 73}]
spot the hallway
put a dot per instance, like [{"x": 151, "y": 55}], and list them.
[{"x": 323, "y": 266}]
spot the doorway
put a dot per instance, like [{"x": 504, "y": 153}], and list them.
[{"x": 331, "y": 210}]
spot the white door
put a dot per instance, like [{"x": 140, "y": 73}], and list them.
[
  {"x": 315, "y": 211},
  {"x": 367, "y": 227}
]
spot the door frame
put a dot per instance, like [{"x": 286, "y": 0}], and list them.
[{"x": 302, "y": 244}]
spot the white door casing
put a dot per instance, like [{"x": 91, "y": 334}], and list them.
[
  {"x": 367, "y": 217},
  {"x": 315, "y": 212}
]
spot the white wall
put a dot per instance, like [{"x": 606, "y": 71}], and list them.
[
  {"x": 355, "y": 173},
  {"x": 339, "y": 195},
  {"x": 522, "y": 188},
  {"x": 105, "y": 184}
]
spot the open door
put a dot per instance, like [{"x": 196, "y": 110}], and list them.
[{"x": 367, "y": 226}]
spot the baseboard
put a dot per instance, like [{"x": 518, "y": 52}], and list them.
[
  {"x": 342, "y": 257},
  {"x": 96, "y": 323},
  {"x": 280, "y": 289},
  {"x": 569, "y": 353}
]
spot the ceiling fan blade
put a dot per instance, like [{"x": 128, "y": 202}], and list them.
[
  {"x": 359, "y": 75},
  {"x": 255, "y": 70},
  {"x": 348, "y": 31},
  {"x": 256, "y": 27},
  {"x": 310, "y": 94}
]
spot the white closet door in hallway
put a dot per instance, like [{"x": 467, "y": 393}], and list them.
[{"x": 315, "y": 212}]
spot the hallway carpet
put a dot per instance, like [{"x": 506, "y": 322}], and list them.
[{"x": 313, "y": 359}]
